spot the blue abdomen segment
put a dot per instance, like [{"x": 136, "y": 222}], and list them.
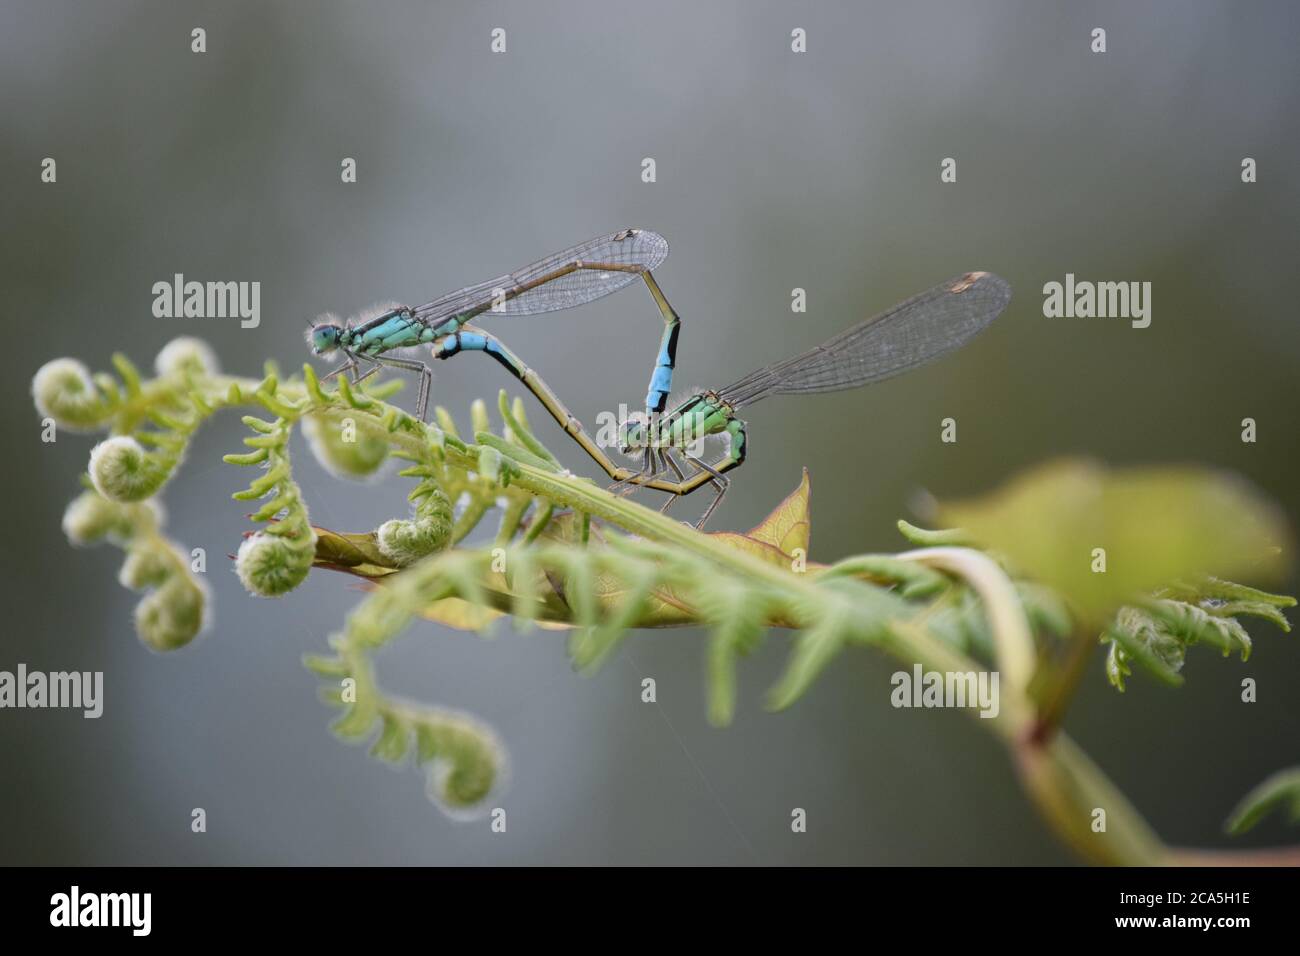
[
  {"x": 473, "y": 341},
  {"x": 661, "y": 379}
]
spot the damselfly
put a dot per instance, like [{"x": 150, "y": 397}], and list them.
[
  {"x": 914, "y": 332},
  {"x": 562, "y": 281}
]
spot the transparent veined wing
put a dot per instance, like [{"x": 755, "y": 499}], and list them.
[
  {"x": 560, "y": 281},
  {"x": 910, "y": 334}
]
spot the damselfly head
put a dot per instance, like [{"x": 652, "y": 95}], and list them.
[
  {"x": 632, "y": 437},
  {"x": 324, "y": 337}
]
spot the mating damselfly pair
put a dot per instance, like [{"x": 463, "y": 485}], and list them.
[{"x": 912, "y": 333}]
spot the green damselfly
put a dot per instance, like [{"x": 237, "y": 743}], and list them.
[
  {"x": 567, "y": 279},
  {"x": 910, "y": 334}
]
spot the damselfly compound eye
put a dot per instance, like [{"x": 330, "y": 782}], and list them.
[{"x": 324, "y": 338}]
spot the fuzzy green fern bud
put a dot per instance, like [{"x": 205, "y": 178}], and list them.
[
  {"x": 465, "y": 763},
  {"x": 90, "y": 518},
  {"x": 186, "y": 354},
  {"x": 64, "y": 391},
  {"x": 122, "y": 470},
  {"x": 270, "y": 565},
  {"x": 405, "y": 542},
  {"x": 173, "y": 615},
  {"x": 347, "y": 446},
  {"x": 145, "y": 567}
]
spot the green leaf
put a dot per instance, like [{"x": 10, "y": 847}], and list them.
[
  {"x": 1141, "y": 639},
  {"x": 357, "y": 554},
  {"x": 1117, "y": 666},
  {"x": 914, "y": 580},
  {"x": 955, "y": 537},
  {"x": 738, "y": 627},
  {"x": 813, "y": 650},
  {"x": 1156, "y": 526},
  {"x": 1193, "y": 625},
  {"x": 1156, "y": 632},
  {"x": 326, "y": 666},
  {"x": 1280, "y": 791},
  {"x": 513, "y": 451},
  {"x": 964, "y": 624},
  {"x": 394, "y": 741}
]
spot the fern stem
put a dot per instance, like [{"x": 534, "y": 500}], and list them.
[
  {"x": 1068, "y": 789},
  {"x": 1011, "y": 634}
]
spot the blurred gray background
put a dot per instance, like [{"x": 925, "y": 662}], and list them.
[{"x": 775, "y": 170}]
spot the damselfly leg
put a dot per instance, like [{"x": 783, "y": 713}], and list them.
[
  {"x": 719, "y": 481},
  {"x": 410, "y": 365},
  {"x": 353, "y": 364},
  {"x": 630, "y": 484},
  {"x": 667, "y": 455},
  {"x": 347, "y": 366}
]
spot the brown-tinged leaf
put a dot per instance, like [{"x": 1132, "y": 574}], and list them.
[
  {"x": 460, "y": 614},
  {"x": 789, "y": 525},
  {"x": 351, "y": 553},
  {"x": 759, "y": 549},
  {"x": 776, "y": 537}
]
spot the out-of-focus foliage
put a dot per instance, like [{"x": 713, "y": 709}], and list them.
[{"x": 1103, "y": 537}]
